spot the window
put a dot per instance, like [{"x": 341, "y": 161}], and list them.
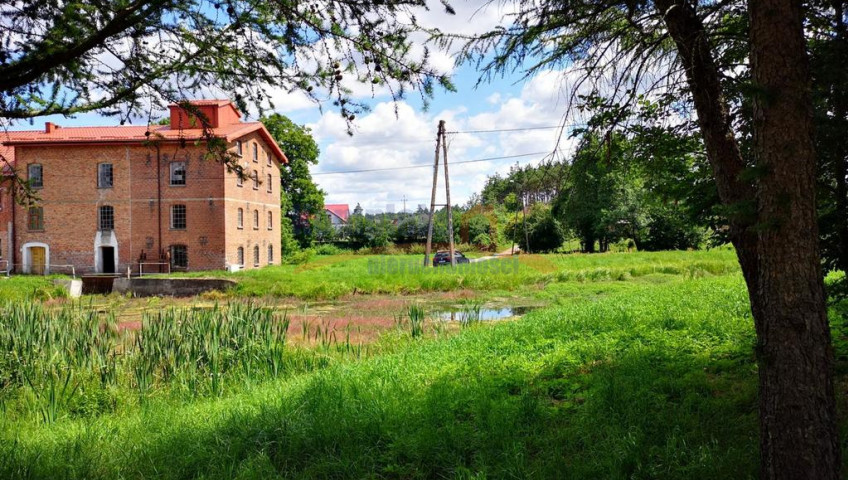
[
  {"x": 240, "y": 218},
  {"x": 256, "y": 256},
  {"x": 104, "y": 175},
  {"x": 105, "y": 218},
  {"x": 270, "y": 220},
  {"x": 178, "y": 217},
  {"x": 179, "y": 256},
  {"x": 256, "y": 219},
  {"x": 270, "y": 254},
  {"x": 35, "y": 220},
  {"x": 239, "y": 180},
  {"x": 34, "y": 174},
  {"x": 255, "y": 152},
  {"x": 255, "y": 180},
  {"x": 270, "y": 183},
  {"x": 238, "y": 148},
  {"x": 178, "y": 173},
  {"x": 268, "y": 158},
  {"x": 240, "y": 255}
]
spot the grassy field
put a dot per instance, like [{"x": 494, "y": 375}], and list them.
[
  {"x": 332, "y": 277},
  {"x": 641, "y": 366}
]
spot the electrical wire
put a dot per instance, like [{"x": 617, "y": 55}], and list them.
[
  {"x": 523, "y": 129},
  {"x": 404, "y": 167}
]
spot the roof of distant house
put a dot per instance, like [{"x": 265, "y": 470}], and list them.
[
  {"x": 56, "y": 135},
  {"x": 340, "y": 210}
]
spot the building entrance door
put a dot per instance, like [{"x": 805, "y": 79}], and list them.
[
  {"x": 108, "y": 256},
  {"x": 38, "y": 259}
]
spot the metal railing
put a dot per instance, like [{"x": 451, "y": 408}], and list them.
[
  {"x": 73, "y": 269},
  {"x": 6, "y": 268},
  {"x": 158, "y": 270}
]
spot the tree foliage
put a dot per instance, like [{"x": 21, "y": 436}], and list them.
[
  {"x": 124, "y": 57},
  {"x": 304, "y": 201}
]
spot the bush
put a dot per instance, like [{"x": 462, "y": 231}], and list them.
[
  {"x": 329, "y": 249},
  {"x": 300, "y": 257},
  {"x": 482, "y": 240}
]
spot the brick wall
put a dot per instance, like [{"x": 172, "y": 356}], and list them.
[
  {"x": 252, "y": 200},
  {"x": 70, "y": 198}
]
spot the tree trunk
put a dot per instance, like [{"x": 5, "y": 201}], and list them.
[
  {"x": 840, "y": 163},
  {"x": 798, "y": 438},
  {"x": 780, "y": 257}
]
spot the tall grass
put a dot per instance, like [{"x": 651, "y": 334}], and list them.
[{"x": 57, "y": 362}]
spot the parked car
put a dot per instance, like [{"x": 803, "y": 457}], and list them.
[{"x": 443, "y": 258}]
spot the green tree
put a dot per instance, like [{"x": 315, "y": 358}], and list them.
[
  {"x": 689, "y": 50},
  {"x": 544, "y": 231},
  {"x": 305, "y": 201},
  {"x": 52, "y": 54},
  {"x": 603, "y": 201}
]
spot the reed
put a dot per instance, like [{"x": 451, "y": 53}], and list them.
[{"x": 50, "y": 356}]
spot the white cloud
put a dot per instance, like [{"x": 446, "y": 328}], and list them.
[{"x": 397, "y": 135}]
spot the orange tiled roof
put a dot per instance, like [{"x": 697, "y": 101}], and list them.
[{"x": 135, "y": 134}]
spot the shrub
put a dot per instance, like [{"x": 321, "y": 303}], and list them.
[{"x": 329, "y": 249}]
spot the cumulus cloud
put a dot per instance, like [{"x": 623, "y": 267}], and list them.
[{"x": 397, "y": 135}]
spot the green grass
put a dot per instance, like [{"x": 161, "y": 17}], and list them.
[
  {"x": 21, "y": 287},
  {"x": 655, "y": 382},
  {"x": 642, "y": 367},
  {"x": 331, "y": 277}
]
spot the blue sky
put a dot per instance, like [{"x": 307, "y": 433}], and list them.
[{"x": 383, "y": 138}]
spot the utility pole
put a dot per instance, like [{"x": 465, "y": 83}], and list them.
[
  {"x": 441, "y": 143},
  {"x": 404, "y": 204}
]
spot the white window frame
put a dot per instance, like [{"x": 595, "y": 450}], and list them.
[
  {"x": 172, "y": 177},
  {"x": 174, "y": 216}
]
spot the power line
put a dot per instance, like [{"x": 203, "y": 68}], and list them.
[
  {"x": 431, "y": 166},
  {"x": 523, "y": 129}
]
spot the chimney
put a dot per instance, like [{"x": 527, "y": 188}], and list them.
[{"x": 49, "y": 127}]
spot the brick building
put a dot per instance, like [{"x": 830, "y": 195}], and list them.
[{"x": 119, "y": 198}]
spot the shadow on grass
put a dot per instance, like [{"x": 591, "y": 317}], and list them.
[{"x": 645, "y": 412}]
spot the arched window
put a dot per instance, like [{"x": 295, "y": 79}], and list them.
[
  {"x": 256, "y": 219},
  {"x": 270, "y": 254},
  {"x": 240, "y": 218},
  {"x": 240, "y": 256},
  {"x": 256, "y": 256},
  {"x": 255, "y": 180}
]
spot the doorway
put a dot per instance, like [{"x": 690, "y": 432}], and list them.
[{"x": 108, "y": 256}]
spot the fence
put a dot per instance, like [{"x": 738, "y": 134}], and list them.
[
  {"x": 53, "y": 268},
  {"x": 157, "y": 270}
]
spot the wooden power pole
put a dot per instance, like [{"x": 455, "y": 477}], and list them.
[{"x": 441, "y": 144}]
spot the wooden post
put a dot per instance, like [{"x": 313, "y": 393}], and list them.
[
  {"x": 433, "y": 194},
  {"x": 447, "y": 195}
]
